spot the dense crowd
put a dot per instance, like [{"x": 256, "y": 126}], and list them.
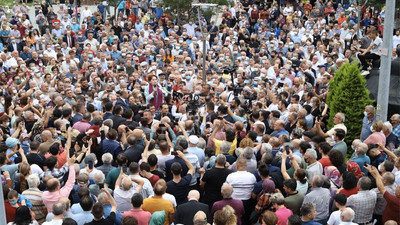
[{"x": 107, "y": 120}]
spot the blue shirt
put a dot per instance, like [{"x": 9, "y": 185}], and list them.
[
  {"x": 311, "y": 222},
  {"x": 83, "y": 217},
  {"x": 283, "y": 131},
  {"x": 159, "y": 12},
  {"x": 366, "y": 128},
  {"x": 360, "y": 160},
  {"x": 107, "y": 211},
  {"x": 198, "y": 152}
]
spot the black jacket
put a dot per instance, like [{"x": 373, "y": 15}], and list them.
[{"x": 185, "y": 212}]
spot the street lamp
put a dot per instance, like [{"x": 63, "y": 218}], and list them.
[{"x": 199, "y": 5}]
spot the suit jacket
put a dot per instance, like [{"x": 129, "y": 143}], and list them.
[
  {"x": 117, "y": 120},
  {"x": 122, "y": 103},
  {"x": 76, "y": 118},
  {"x": 66, "y": 41},
  {"x": 10, "y": 48},
  {"x": 185, "y": 212}
]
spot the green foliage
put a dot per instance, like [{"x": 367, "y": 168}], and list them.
[{"x": 348, "y": 94}]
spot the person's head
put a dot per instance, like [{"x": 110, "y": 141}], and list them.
[
  {"x": 340, "y": 200},
  {"x": 193, "y": 195},
  {"x": 347, "y": 215},
  {"x": 69, "y": 221},
  {"x": 310, "y": 156},
  {"x": 241, "y": 164},
  {"x": 160, "y": 187},
  {"x": 364, "y": 183},
  {"x": 308, "y": 211},
  {"x": 129, "y": 220},
  {"x": 98, "y": 210},
  {"x": 200, "y": 218},
  {"x": 317, "y": 181},
  {"x": 86, "y": 203},
  {"x": 289, "y": 185},
  {"x": 361, "y": 149},
  {"x": 137, "y": 200},
  {"x": 269, "y": 218},
  {"x": 225, "y": 216},
  {"x": 176, "y": 168},
  {"x": 59, "y": 209},
  {"x": 121, "y": 159},
  {"x": 339, "y": 118},
  {"x": 226, "y": 190},
  {"x": 33, "y": 180},
  {"x": 107, "y": 158},
  {"x": 277, "y": 199},
  {"x": 294, "y": 220},
  {"x": 23, "y": 215}
]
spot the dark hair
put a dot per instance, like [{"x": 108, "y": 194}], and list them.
[
  {"x": 23, "y": 216},
  {"x": 304, "y": 146},
  {"x": 183, "y": 143},
  {"x": 263, "y": 170},
  {"x": 117, "y": 109},
  {"x": 133, "y": 167},
  {"x": 325, "y": 147},
  {"x": 108, "y": 106},
  {"x": 129, "y": 220},
  {"x": 34, "y": 145},
  {"x": 290, "y": 183},
  {"x": 112, "y": 134},
  {"x": 341, "y": 199},
  {"x": 230, "y": 135},
  {"x": 86, "y": 203},
  {"x": 98, "y": 210},
  {"x": 152, "y": 160},
  {"x": 54, "y": 148},
  {"x": 301, "y": 175},
  {"x": 51, "y": 162},
  {"x": 349, "y": 180},
  {"x": 69, "y": 221},
  {"x": 176, "y": 168},
  {"x": 121, "y": 159},
  {"x": 340, "y": 133},
  {"x": 137, "y": 200},
  {"x": 336, "y": 157},
  {"x": 145, "y": 166},
  {"x": 294, "y": 220}
]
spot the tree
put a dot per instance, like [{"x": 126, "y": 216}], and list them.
[{"x": 348, "y": 94}]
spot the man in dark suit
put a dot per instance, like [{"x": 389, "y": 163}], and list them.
[
  {"x": 13, "y": 45},
  {"x": 80, "y": 109},
  {"x": 117, "y": 117},
  {"x": 123, "y": 100},
  {"x": 69, "y": 39},
  {"x": 135, "y": 147},
  {"x": 185, "y": 212},
  {"x": 164, "y": 112}
]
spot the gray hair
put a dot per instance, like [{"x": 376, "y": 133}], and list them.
[
  {"x": 317, "y": 180},
  {"x": 248, "y": 153},
  {"x": 266, "y": 147},
  {"x": 107, "y": 158},
  {"x": 226, "y": 190},
  {"x": 59, "y": 208},
  {"x": 277, "y": 198},
  {"x": 220, "y": 160},
  {"x": 99, "y": 177},
  {"x": 202, "y": 143},
  {"x": 225, "y": 147},
  {"x": 363, "y": 148},
  {"x": 180, "y": 138},
  {"x": 102, "y": 197},
  {"x": 109, "y": 123},
  {"x": 311, "y": 153},
  {"x": 200, "y": 218},
  {"x": 388, "y": 126},
  {"x": 341, "y": 116},
  {"x": 33, "y": 180},
  {"x": 347, "y": 215}
]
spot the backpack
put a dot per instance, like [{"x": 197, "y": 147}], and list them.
[{"x": 254, "y": 14}]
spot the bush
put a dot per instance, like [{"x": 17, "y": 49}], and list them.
[{"x": 348, "y": 94}]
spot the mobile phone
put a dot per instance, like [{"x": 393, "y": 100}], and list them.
[
  {"x": 365, "y": 164},
  {"x": 2, "y": 172},
  {"x": 207, "y": 125},
  {"x": 174, "y": 153},
  {"x": 161, "y": 125},
  {"x": 125, "y": 169},
  {"x": 90, "y": 164},
  {"x": 101, "y": 186}
]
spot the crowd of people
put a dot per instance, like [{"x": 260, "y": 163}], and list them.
[{"x": 106, "y": 119}]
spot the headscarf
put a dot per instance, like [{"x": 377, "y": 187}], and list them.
[
  {"x": 333, "y": 174},
  {"x": 268, "y": 186},
  {"x": 158, "y": 218},
  {"x": 354, "y": 168}
]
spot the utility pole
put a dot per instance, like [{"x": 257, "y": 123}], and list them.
[
  {"x": 199, "y": 5},
  {"x": 386, "y": 60},
  {"x": 2, "y": 207}
]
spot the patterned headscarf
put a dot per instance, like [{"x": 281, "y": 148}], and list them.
[{"x": 333, "y": 174}]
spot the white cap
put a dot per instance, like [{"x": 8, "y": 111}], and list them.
[{"x": 193, "y": 139}]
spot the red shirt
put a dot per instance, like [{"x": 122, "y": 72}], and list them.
[
  {"x": 392, "y": 208},
  {"x": 349, "y": 192},
  {"x": 325, "y": 162},
  {"x": 143, "y": 217},
  {"x": 10, "y": 211},
  {"x": 153, "y": 179}
]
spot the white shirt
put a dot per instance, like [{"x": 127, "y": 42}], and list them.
[
  {"x": 377, "y": 44},
  {"x": 242, "y": 183},
  {"x": 53, "y": 222},
  {"x": 123, "y": 198},
  {"x": 396, "y": 40},
  {"x": 147, "y": 189},
  {"x": 334, "y": 219}
]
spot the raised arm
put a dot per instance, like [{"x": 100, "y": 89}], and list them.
[
  {"x": 378, "y": 179},
  {"x": 111, "y": 199},
  {"x": 181, "y": 125},
  {"x": 283, "y": 166},
  {"x": 188, "y": 164},
  {"x": 119, "y": 179},
  {"x": 389, "y": 153},
  {"x": 140, "y": 183},
  {"x": 146, "y": 149}
]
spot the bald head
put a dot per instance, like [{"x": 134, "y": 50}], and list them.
[
  {"x": 194, "y": 194},
  {"x": 126, "y": 183},
  {"x": 53, "y": 184},
  {"x": 138, "y": 134},
  {"x": 200, "y": 218}
]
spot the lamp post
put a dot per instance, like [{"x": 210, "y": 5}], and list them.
[{"x": 199, "y": 5}]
